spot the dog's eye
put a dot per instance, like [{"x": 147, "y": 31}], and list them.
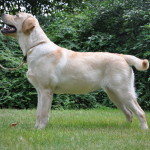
[{"x": 17, "y": 15}]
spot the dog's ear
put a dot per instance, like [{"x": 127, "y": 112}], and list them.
[{"x": 28, "y": 25}]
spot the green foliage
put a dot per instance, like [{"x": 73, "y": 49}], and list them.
[
  {"x": 64, "y": 28},
  {"x": 38, "y": 6},
  {"x": 120, "y": 26},
  {"x": 15, "y": 90},
  {"x": 75, "y": 101}
]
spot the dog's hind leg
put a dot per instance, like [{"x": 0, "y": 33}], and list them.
[
  {"x": 44, "y": 105},
  {"x": 134, "y": 106},
  {"x": 115, "y": 99},
  {"x": 127, "y": 99}
]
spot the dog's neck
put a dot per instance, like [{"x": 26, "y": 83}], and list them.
[{"x": 27, "y": 41}]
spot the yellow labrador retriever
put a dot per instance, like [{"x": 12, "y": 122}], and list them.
[{"x": 53, "y": 69}]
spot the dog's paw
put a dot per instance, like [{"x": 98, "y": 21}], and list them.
[{"x": 40, "y": 126}]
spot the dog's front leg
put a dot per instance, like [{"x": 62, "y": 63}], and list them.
[
  {"x": 38, "y": 109},
  {"x": 44, "y": 105}
]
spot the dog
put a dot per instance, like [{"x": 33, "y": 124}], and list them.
[{"x": 53, "y": 69}]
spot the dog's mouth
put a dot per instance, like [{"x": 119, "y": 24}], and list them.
[{"x": 8, "y": 29}]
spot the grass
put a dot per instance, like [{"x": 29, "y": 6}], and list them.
[{"x": 96, "y": 129}]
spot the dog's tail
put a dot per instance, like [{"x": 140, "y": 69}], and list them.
[{"x": 139, "y": 64}]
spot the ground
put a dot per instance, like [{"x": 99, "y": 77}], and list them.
[{"x": 94, "y": 129}]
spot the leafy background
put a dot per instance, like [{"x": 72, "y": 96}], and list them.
[{"x": 114, "y": 26}]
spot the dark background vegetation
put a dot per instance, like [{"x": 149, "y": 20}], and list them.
[{"x": 118, "y": 26}]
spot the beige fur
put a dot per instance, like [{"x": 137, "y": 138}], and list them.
[
  {"x": 28, "y": 24},
  {"x": 52, "y": 69}
]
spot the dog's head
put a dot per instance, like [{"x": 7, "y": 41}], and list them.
[{"x": 19, "y": 23}]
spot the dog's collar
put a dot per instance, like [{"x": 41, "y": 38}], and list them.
[{"x": 29, "y": 51}]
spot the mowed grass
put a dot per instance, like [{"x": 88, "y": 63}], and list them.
[{"x": 96, "y": 129}]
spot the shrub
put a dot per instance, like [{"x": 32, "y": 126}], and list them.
[
  {"x": 15, "y": 91},
  {"x": 115, "y": 26}
]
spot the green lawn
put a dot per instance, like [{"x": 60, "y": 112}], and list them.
[{"x": 96, "y": 129}]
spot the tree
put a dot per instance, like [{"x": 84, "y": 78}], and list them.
[{"x": 38, "y": 7}]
